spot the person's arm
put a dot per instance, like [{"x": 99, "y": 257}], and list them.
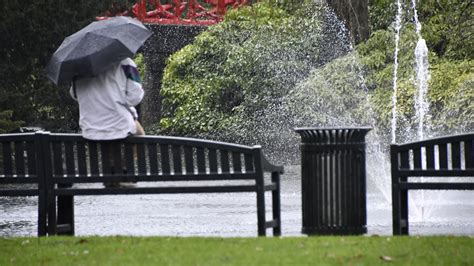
[{"x": 133, "y": 91}]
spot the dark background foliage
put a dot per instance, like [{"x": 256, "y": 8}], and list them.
[{"x": 30, "y": 31}]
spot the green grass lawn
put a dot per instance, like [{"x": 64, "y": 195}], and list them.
[{"x": 346, "y": 250}]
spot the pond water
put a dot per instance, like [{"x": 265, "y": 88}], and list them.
[{"x": 224, "y": 215}]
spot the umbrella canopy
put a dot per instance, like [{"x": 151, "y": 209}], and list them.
[{"x": 95, "y": 48}]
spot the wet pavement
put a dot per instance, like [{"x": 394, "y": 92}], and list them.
[{"x": 229, "y": 215}]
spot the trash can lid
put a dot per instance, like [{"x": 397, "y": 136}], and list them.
[{"x": 332, "y": 135}]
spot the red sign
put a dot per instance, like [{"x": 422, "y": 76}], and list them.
[{"x": 193, "y": 12}]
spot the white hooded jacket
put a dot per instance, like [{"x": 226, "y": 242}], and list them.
[{"x": 107, "y": 102}]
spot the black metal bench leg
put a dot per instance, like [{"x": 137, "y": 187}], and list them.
[
  {"x": 276, "y": 204},
  {"x": 404, "y": 212},
  {"x": 42, "y": 213},
  {"x": 396, "y": 217},
  {"x": 51, "y": 201},
  {"x": 65, "y": 222},
  {"x": 261, "y": 207}
]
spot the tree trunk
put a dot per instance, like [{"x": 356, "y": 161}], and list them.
[{"x": 355, "y": 14}]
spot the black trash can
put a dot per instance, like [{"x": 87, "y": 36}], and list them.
[{"x": 333, "y": 177}]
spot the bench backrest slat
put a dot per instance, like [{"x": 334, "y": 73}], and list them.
[
  {"x": 57, "y": 159},
  {"x": 201, "y": 160},
  {"x": 165, "y": 159},
  {"x": 213, "y": 160},
  {"x": 236, "y": 162},
  {"x": 456, "y": 154},
  {"x": 443, "y": 156},
  {"x": 225, "y": 166},
  {"x": 70, "y": 158},
  {"x": 417, "y": 158},
  {"x": 31, "y": 158},
  {"x": 19, "y": 158},
  {"x": 153, "y": 157},
  {"x": 189, "y": 159},
  {"x": 248, "y": 163},
  {"x": 7, "y": 159},
  {"x": 94, "y": 158},
  {"x": 177, "y": 164},
  {"x": 129, "y": 159},
  {"x": 105, "y": 158},
  {"x": 430, "y": 157},
  {"x": 469, "y": 154},
  {"x": 81, "y": 158},
  {"x": 141, "y": 158}
]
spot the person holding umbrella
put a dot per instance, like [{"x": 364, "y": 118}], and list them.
[
  {"x": 107, "y": 102},
  {"x": 105, "y": 80}
]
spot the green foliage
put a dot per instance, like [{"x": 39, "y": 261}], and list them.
[
  {"x": 381, "y": 13},
  {"x": 6, "y": 123},
  {"x": 140, "y": 62},
  {"x": 450, "y": 86},
  {"x": 448, "y": 27},
  {"x": 243, "y": 65},
  {"x": 446, "y": 24},
  {"x": 452, "y": 95}
]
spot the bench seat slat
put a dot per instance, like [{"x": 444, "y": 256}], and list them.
[
  {"x": 19, "y": 193},
  {"x": 436, "y": 186},
  {"x": 18, "y": 179},
  {"x": 155, "y": 190},
  {"x": 151, "y": 178},
  {"x": 435, "y": 173}
]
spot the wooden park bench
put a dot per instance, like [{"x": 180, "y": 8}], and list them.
[
  {"x": 445, "y": 157},
  {"x": 56, "y": 165}
]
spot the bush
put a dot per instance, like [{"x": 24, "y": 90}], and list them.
[{"x": 245, "y": 65}]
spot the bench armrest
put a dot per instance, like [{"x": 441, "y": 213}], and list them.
[{"x": 266, "y": 165}]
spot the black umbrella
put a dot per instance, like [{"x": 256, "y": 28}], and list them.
[{"x": 95, "y": 48}]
